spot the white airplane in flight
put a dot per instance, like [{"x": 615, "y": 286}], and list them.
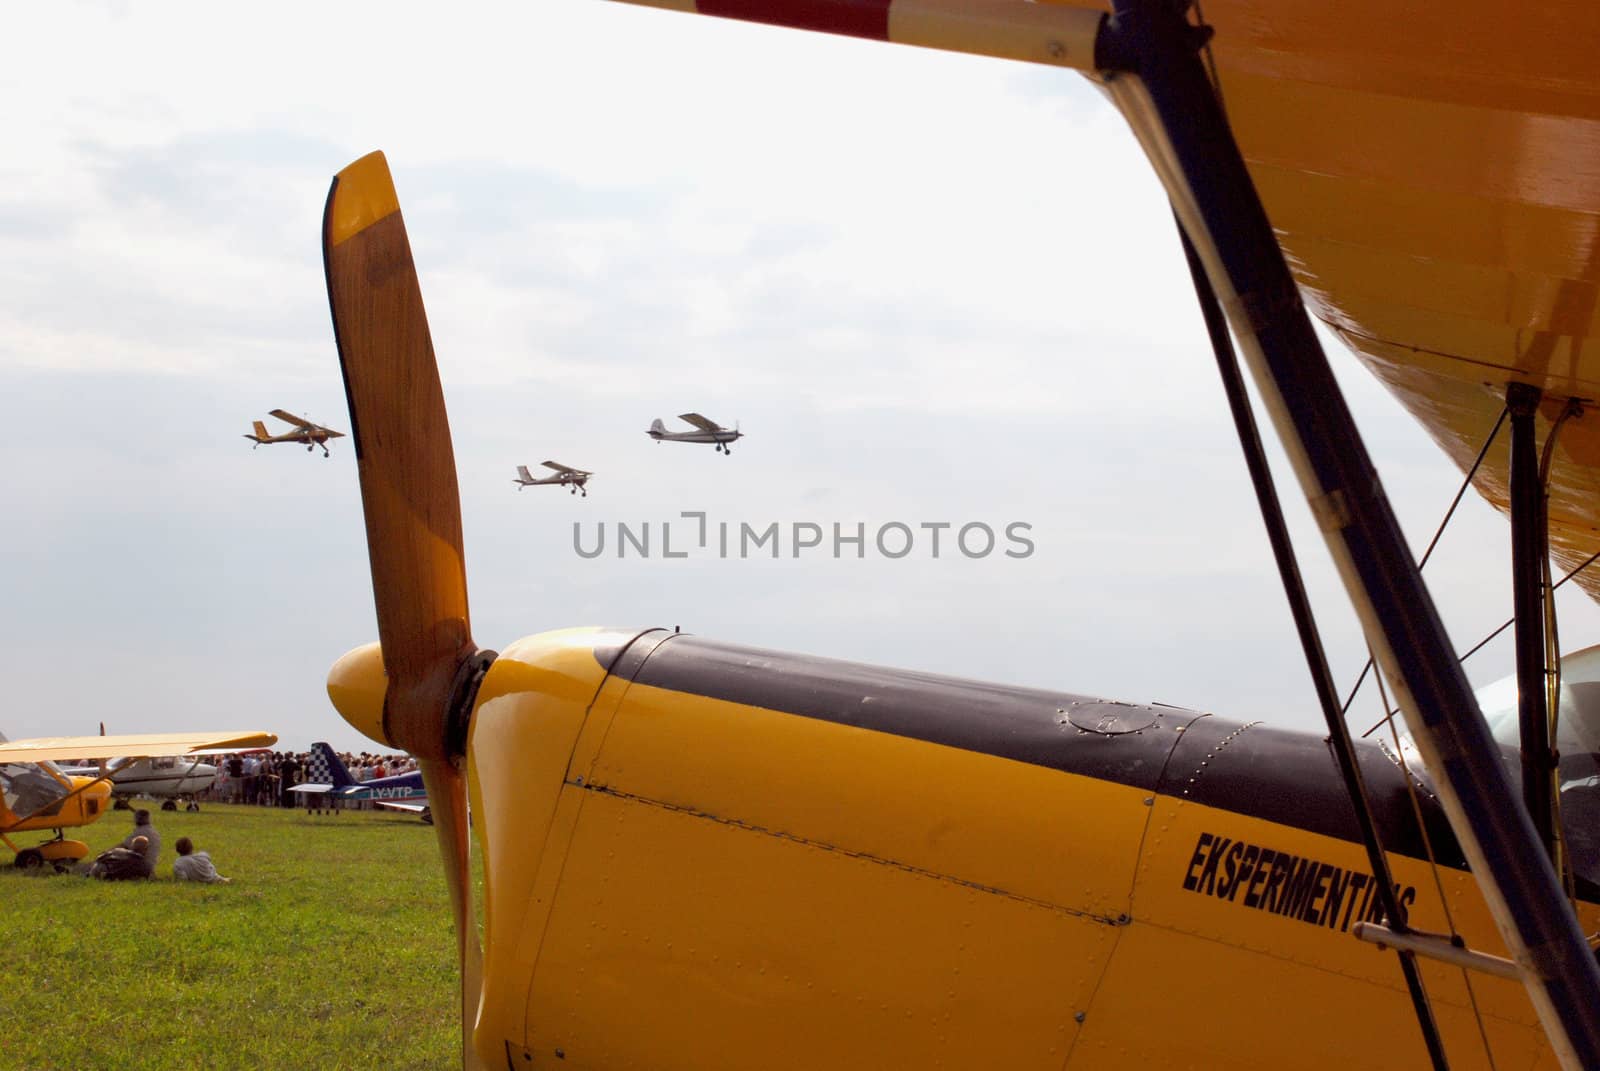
[
  {"x": 564, "y": 476},
  {"x": 707, "y": 431}
]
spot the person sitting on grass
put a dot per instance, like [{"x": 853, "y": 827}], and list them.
[
  {"x": 145, "y": 838},
  {"x": 195, "y": 866},
  {"x": 122, "y": 863}
]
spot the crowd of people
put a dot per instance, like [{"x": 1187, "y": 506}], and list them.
[{"x": 267, "y": 778}]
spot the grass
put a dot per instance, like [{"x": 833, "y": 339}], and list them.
[{"x": 332, "y": 948}]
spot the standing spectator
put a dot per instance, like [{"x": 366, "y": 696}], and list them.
[
  {"x": 288, "y": 777},
  {"x": 236, "y": 778},
  {"x": 252, "y": 777}
]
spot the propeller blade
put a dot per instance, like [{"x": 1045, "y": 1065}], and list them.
[
  {"x": 403, "y": 453},
  {"x": 447, "y": 799},
  {"x": 413, "y": 515}
]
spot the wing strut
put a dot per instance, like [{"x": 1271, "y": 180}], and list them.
[
  {"x": 1529, "y": 549},
  {"x": 1174, "y": 112},
  {"x": 1311, "y": 643}
]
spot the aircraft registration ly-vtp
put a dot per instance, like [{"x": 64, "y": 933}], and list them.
[
  {"x": 699, "y": 855},
  {"x": 312, "y": 435},
  {"x": 35, "y": 794},
  {"x": 328, "y": 776},
  {"x": 706, "y": 431},
  {"x": 561, "y": 476}
]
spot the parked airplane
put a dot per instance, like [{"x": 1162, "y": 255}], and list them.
[
  {"x": 329, "y": 776},
  {"x": 169, "y": 777},
  {"x": 564, "y": 476},
  {"x": 312, "y": 435},
  {"x": 698, "y": 854},
  {"x": 709, "y": 431},
  {"x": 36, "y": 795}
]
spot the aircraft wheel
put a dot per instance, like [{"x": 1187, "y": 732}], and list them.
[
  {"x": 30, "y": 859},
  {"x": 169, "y": 805}
]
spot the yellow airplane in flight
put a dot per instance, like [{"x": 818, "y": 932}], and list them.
[
  {"x": 35, "y": 795},
  {"x": 700, "y": 855},
  {"x": 305, "y": 432}
]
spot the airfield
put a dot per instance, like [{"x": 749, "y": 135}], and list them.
[{"x": 331, "y": 947}]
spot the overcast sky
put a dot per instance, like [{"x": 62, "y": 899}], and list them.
[{"x": 932, "y": 289}]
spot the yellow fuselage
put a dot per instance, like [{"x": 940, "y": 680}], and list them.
[
  {"x": 83, "y": 801},
  {"x": 713, "y": 857}
]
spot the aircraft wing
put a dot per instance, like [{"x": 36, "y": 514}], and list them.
[
  {"x": 409, "y": 805},
  {"x": 558, "y": 467},
  {"x": 140, "y": 745},
  {"x": 292, "y": 419},
  {"x": 1451, "y": 254},
  {"x": 311, "y": 787},
  {"x": 700, "y": 422}
]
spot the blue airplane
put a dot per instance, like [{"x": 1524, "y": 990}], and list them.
[{"x": 328, "y": 776}]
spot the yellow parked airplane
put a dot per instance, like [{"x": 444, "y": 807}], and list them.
[
  {"x": 698, "y": 855},
  {"x": 35, "y": 795}
]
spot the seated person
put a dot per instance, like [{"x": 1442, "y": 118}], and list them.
[
  {"x": 194, "y": 866},
  {"x": 122, "y": 863},
  {"x": 146, "y": 839}
]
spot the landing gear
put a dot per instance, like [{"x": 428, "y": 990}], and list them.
[{"x": 30, "y": 859}]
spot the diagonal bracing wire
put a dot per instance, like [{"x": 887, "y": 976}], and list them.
[{"x": 1310, "y": 641}]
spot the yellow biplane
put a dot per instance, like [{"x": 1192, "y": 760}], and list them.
[
  {"x": 35, "y": 795},
  {"x": 698, "y": 855}
]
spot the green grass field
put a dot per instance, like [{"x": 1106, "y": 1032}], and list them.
[{"x": 332, "y": 948}]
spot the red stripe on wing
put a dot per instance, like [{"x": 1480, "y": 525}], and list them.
[{"x": 854, "y": 18}]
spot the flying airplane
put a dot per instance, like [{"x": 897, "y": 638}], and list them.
[
  {"x": 702, "y": 855},
  {"x": 312, "y": 435},
  {"x": 329, "y": 777},
  {"x": 707, "y": 431},
  {"x": 564, "y": 476},
  {"x": 35, "y": 795}
]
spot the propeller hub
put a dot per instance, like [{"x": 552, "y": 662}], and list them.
[{"x": 356, "y": 686}]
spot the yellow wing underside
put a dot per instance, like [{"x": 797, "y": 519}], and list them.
[
  {"x": 1433, "y": 174},
  {"x": 138, "y": 745}
]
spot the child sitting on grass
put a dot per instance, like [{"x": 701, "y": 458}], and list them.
[{"x": 194, "y": 866}]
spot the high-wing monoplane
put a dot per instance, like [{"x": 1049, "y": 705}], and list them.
[
  {"x": 35, "y": 795},
  {"x": 702, "y": 855},
  {"x": 167, "y": 777},
  {"x": 706, "y": 431},
  {"x": 312, "y": 435},
  {"x": 561, "y": 476}
]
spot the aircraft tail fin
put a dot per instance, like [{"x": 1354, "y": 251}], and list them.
[
  {"x": 656, "y": 426},
  {"x": 326, "y": 768},
  {"x": 261, "y": 432}
]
